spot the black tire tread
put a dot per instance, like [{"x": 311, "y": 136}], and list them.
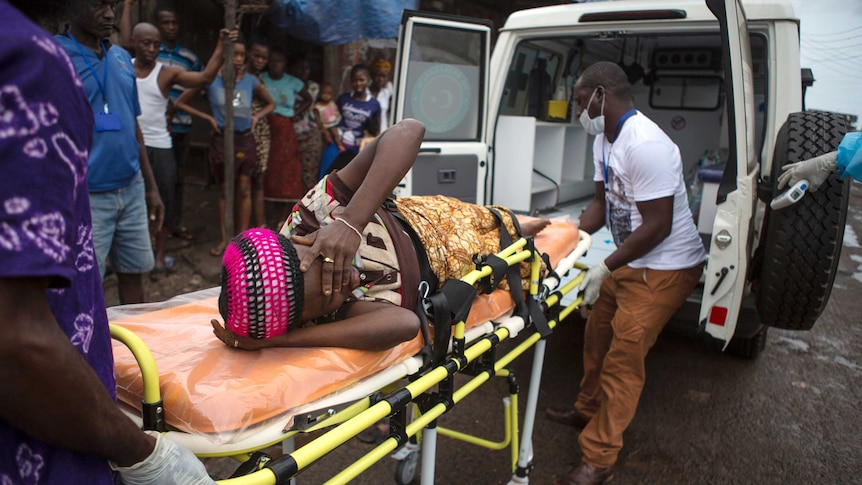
[{"x": 803, "y": 242}]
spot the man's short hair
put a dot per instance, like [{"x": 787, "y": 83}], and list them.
[
  {"x": 277, "y": 50},
  {"x": 166, "y": 9},
  {"x": 257, "y": 41},
  {"x": 607, "y": 75}
]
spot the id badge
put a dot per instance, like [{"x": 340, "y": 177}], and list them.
[{"x": 108, "y": 122}]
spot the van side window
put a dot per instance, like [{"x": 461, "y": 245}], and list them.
[{"x": 443, "y": 83}]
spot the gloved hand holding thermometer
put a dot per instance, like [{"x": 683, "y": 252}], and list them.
[
  {"x": 791, "y": 196},
  {"x": 802, "y": 176}
]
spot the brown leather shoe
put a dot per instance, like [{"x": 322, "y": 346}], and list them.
[
  {"x": 569, "y": 417},
  {"x": 586, "y": 474}
]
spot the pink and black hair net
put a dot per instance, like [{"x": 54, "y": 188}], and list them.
[{"x": 261, "y": 285}]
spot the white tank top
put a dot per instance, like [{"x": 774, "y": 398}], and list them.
[{"x": 154, "y": 105}]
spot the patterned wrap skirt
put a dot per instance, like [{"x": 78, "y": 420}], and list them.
[
  {"x": 283, "y": 177},
  {"x": 453, "y": 231}
]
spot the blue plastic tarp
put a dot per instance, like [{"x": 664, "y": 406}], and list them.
[{"x": 340, "y": 21}]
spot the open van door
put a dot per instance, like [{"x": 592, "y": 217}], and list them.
[
  {"x": 727, "y": 267},
  {"x": 441, "y": 80}
]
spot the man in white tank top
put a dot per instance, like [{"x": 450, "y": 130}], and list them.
[
  {"x": 154, "y": 80},
  {"x": 641, "y": 196}
]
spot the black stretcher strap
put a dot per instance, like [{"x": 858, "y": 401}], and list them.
[
  {"x": 449, "y": 305},
  {"x": 531, "y": 307},
  {"x": 426, "y": 277},
  {"x": 499, "y": 270},
  {"x": 513, "y": 273}
]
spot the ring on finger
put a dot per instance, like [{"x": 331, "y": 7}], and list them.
[
  {"x": 328, "y": 260},
  {"x": 235, "y": 343}
]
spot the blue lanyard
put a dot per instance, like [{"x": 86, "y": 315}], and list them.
[
  {"x": 622, "y": 120},
  {"x": 104, "y": 81}
]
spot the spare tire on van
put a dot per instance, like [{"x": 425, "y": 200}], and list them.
[{"x": 802, "y": 243}]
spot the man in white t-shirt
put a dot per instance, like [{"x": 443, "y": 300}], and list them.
[{"x": 641, "y": 196}]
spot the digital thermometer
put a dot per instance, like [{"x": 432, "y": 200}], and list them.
[{"x": 792, "y": 196}]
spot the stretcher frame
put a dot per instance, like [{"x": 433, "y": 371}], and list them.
[{"x": 471, "y": 350}]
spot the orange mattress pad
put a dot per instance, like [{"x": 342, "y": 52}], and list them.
[{"x": 211, "y": 389}]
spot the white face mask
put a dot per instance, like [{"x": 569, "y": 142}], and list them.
[{"x": 593, "y": 126}]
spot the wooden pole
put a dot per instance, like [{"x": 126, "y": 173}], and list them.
[{"x": 229, "y": 84}]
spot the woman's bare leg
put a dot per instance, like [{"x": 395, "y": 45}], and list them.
[
  {"x": 257, "y": 201},
  {"x": 243, "y": 203},
  {"x": 219, "y": 248}
]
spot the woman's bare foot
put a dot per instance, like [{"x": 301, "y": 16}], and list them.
[
  {"x": 533, "y": 226},
  {"x": 218, "y": 250}
]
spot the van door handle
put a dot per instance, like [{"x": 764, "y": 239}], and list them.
[
  {"x": 430, "y": 150},
  {"x": 724, "y": 272}
]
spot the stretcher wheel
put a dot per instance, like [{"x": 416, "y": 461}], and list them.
[
  {"x": 406, "y": 469},
  {"x": 802, "y": 243}
]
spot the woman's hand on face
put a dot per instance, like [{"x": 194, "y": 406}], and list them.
[
  {"x": 233, "y": 340},
  {"x": 336, "y": 245}
]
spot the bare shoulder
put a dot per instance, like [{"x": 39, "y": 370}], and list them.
[{"x": 169, "y": 73}]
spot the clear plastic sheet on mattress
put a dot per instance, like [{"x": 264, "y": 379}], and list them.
[{"x": 217, "y": 391}]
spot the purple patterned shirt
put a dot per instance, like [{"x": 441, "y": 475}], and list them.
[{"x": 46, "y": 126}]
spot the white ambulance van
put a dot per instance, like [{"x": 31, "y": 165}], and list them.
[{"x": 721, "y": 77}]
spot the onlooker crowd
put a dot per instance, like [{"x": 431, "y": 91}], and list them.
[{"x": 288, "y": 132}]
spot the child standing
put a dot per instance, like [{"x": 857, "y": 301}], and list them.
[
  {"x": 329, "y": 117},
  {"x": 327, "y": 112},
  {"x": 356, "y": 107}
]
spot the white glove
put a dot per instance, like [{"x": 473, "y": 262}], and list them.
[
  {"x": 815, "y": 170},
  {"x": 168, "y": 464},
  {"x": 593, "y": 281}
]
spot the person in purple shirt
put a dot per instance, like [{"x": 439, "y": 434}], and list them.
[{"x": 59, "y": 422}]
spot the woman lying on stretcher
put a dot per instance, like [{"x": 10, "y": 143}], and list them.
[{"x": 343, "y": 272}]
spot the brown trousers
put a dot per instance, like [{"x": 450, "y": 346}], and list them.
[{"x": 633, "y": 307}]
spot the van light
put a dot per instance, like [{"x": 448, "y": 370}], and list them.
[
  {"x": 664, "y": 14},
  {"x": 718, "y": 316}
]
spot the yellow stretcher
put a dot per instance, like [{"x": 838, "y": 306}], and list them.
[{"x": 173, "y": 375}]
